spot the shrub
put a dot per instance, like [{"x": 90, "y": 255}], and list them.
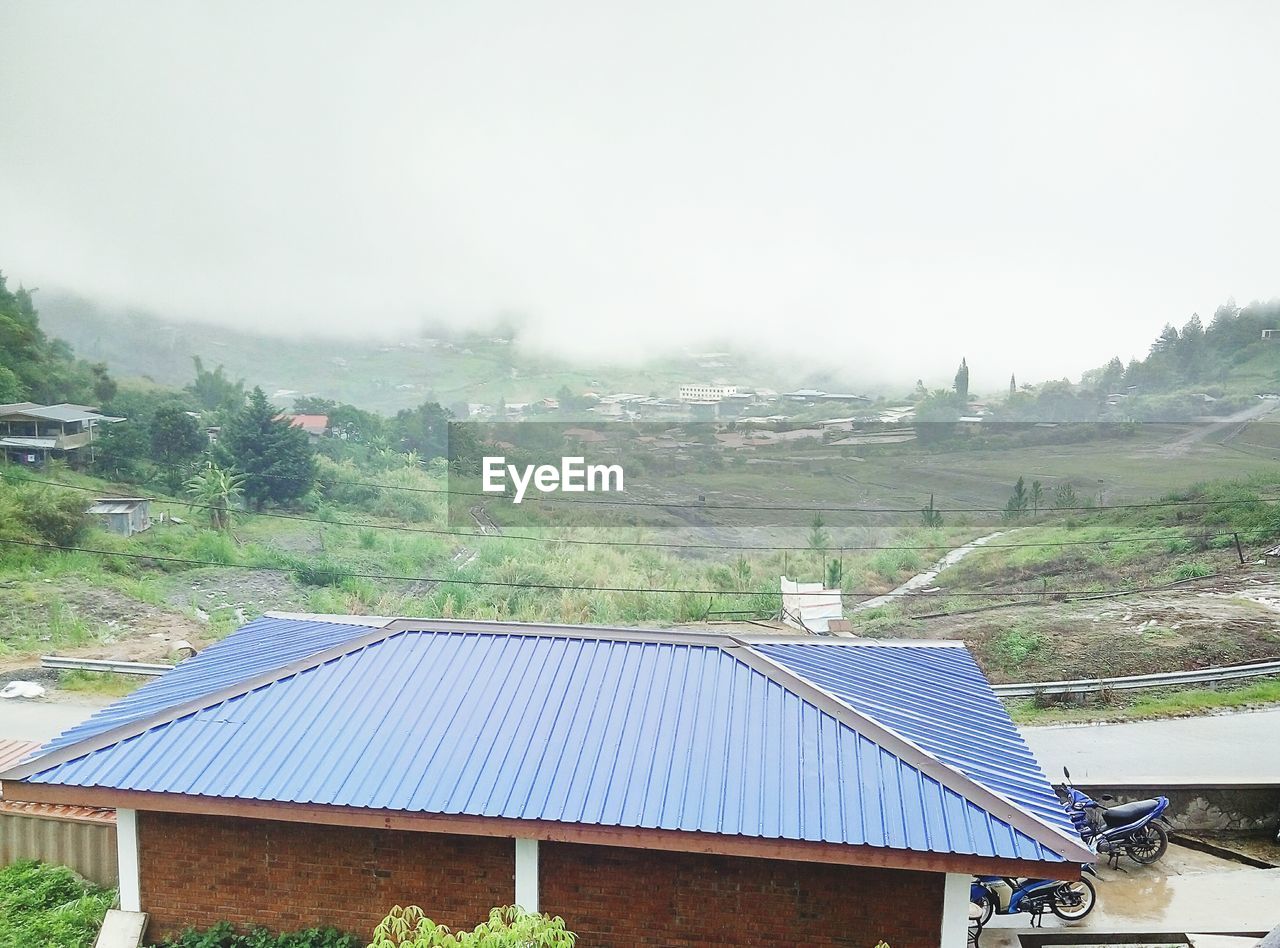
[
  {"x": 49, "y": 905},
  {"x": 223, "y": 935},
  {"x": 508, "y": 927}
]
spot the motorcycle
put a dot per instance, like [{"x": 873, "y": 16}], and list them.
[
  {"x": 1004, "y": 895},
  {"x": 1130, "y": 828}
]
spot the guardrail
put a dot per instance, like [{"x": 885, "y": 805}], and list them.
[
  {"x": 1081, "y": 686},
  {"x": 103, "y": 665}
]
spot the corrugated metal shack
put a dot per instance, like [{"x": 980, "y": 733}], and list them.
[{"x": 123, "y": 515}]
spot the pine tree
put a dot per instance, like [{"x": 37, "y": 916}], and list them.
[
  {"x": 276, "y": 459},
  {"x": 962, "y": 384},
  {"x": 1013, "y": 384}
]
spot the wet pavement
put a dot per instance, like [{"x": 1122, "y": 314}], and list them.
[
  {"x": 1240, "y": 746},
  {"x": 41, "y": 719},
  {"x": 1186, "y": 892}
]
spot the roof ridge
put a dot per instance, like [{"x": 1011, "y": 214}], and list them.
[
  {"x": 917, "y": 756},
  {"x": 122, "y": 732}
]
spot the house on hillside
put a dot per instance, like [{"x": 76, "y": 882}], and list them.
[
  {"x": 653, "y": 788},
  {"x": 123, "y": 515},
  {"x": 32, "y": 434},
  {"x": 316, "y": 426}
]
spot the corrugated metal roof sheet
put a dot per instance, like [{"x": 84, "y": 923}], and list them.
[
  {"x": 575, "y": 726},
  {"x": 251, "y": 650},
  {"x": 116, "y": 506},
  {"x": 33, "y": 443},
  {"x": 11, "y": 752},
  {"x": 938, "y": 698}
]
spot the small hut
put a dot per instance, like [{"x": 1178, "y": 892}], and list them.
[{"x": 123, "y": 515}]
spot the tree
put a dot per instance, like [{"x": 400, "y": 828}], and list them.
[
  {"x": 424, "y": 429},
  {"x": 276, "y": 459},
  {"x": 214, "y": 391},
  {"x": 930, "y": 516},
  {"x": 1018, "y": 501},
  {"x": 1036, "y": 496},
  {"x": 962, "y": 384},
  {"x": 819, "y": 539},
  {"x": 35, "y": 367},
  {"x": 1064, "y": 496},
  {"x": 835, "y": 574},
  {"x": 217, "y": 491},
  {"x": 175, "y": 438},
  {"x": 1013, "y": 385}
]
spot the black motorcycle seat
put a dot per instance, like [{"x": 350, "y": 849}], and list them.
[{"x": 1128, "y": 812}]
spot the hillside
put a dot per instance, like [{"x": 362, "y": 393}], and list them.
[
  {"x": 384, "y": 376},
  {"x": 1150, "y": 582}
]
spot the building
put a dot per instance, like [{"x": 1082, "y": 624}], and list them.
[
  {"x": 316, "y": 426},
  {"x": 1270, "y": 335},
  {"x": 651, "y": 788},
  {"x": 32, "y": 434},
  {"x": 803, "y": 395},
  {"x": 123, "y": 515},
  {"x": 706, "y": 392},
  {"x": 845, "y": 398}
]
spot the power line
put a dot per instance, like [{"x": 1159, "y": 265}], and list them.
[
  {"x": 575, "y": 541},
  {"x": 344, "y": 574},
  {"x": 794, "y": 508}
]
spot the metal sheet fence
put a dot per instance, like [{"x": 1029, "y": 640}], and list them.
[{"x": 88, "y": 848}]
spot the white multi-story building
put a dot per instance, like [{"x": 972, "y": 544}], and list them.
[{"x": 706, "y": 393}]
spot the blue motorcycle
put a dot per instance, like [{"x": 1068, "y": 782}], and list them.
[
  {"x": 1130, "y": 828},
  {"x": 1004, "y": 895}
]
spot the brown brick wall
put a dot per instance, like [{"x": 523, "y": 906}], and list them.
[
  {"x": 622, "y": 898},
  {"x": 199, "y": 870}
]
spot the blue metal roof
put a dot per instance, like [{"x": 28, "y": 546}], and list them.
[
  {"x": 938, "y": 698},
  {"x": 251, "y": 650},
  {"x": 582, "y": 727}
]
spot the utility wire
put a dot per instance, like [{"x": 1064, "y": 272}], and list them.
[
  {"x": 802, "y": 508},
  {"x": 848, "y": 548},
  {"x": 343, "y": 574}
]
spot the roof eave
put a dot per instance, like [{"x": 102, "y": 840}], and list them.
[{"x": 669, "y": 840}]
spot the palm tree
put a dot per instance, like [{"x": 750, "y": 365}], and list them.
[{"x": 216, "y": 490}]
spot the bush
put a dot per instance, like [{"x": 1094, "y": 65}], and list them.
[
  {"x": 45, "y": 906},
  {"x": 36, "y": 512},
  {"x": 223, "y": 935},
  {"x": 509, "y": 927}
]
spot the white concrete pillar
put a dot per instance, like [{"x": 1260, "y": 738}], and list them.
[
  {"x": 527, "y": 874},
  {"x": 127, "y": 860},
  {"x": 955, "y": 910}
]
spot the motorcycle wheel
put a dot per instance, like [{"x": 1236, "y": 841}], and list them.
[
  {"x": 988, "y": 907},
  {"x": 1148, "y": 845},
  {"x": 1073, "y": 900}
]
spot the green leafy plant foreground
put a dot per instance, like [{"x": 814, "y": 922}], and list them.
[
  {"x": 223, "y": 935},
  {"x": 508, "y": 927},
  {"x": 49, "y": 907}
]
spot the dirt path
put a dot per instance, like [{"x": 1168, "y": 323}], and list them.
[
  {"x": 925, "y": 579},
  {"x": 1210, "y": 426}
]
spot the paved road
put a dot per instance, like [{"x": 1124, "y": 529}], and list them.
[
  {"x": 1244, "y": 746},
  {"x": 22, "y": 720}
]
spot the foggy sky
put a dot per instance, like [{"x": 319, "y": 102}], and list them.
[{"x": 882, "y": 186}]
